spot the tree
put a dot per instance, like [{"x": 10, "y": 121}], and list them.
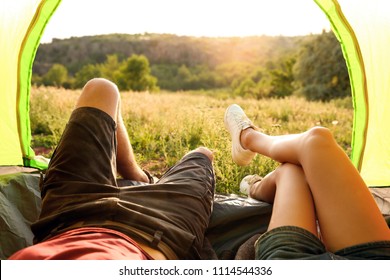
[
  {"x": 85, "y": 74},
  {"x": 56, "y": 76},
  {"x": 246, "y": 88},
  {"x": 110, "y": 68},
  {"x": 274, "y": 81},
  {"x": 135, "y": 74},
  {"x": 166, "y": 75},
  {"x": 282, "y": 79},
  {"x": 320, "y": 71}
]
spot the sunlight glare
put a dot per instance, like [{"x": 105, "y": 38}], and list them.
[{"x": 217, "y": 18}]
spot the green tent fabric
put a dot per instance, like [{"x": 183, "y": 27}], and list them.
[
  {"x": 21, "y": 25},
  {"x": 20, "y": 206},
  {"x": 363, "y": 29}
]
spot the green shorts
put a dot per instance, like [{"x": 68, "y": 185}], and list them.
[
  {"x": 295, "y": 243},
  {"x": 80, "y": 189}
]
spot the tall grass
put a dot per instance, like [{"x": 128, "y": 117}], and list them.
[{"x": 164, "y": 126}]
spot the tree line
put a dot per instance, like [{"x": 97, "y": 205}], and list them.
[{"x": 262, "y": 66}]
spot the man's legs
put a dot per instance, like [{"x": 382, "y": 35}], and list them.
[
  {"x": 83, "y": 168},
  {"x": 80, "y": 187},
  {"x": 343, "y": 203},
  {"x": 179, "y": 204},
  {"x": 203, "y": 150},
  {"x": 104, "y": 95}
]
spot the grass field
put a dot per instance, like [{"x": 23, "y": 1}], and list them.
[{"x": 164, "y": 126}]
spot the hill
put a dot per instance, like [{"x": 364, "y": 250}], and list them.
[
  {"x": 76, "y": 52},
  {"x": 257, "y": 67}
]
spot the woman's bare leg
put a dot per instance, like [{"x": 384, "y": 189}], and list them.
[
  {"x": 345, "y": 208},
  {"x": 286, "y": 188},
  {"x": 104, "y": 95}
]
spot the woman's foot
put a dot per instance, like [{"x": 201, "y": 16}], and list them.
[
  {"x": 247, "y": 182},
  {"x": 235, "y": 122}
]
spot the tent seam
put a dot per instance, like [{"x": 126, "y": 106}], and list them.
[
  {"x": 26, "y": 147},
  {"x": 361, "y": 62}
]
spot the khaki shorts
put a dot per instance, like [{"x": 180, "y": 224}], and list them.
[{"x": 80, "y": 189}]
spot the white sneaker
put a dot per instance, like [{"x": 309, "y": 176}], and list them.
[
  {"x": 235, "y": 122},
  {"x": 247, "y": 182}
]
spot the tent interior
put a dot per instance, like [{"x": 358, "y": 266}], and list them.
[{"x": 362, "y": 28}]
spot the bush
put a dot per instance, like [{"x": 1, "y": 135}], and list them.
[{"x": 135, "y": 75}]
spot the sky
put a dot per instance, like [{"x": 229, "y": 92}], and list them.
[{"x": 211, "y": 18}]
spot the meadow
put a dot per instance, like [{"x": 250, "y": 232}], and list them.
[{"x": 164, "y": 126}]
